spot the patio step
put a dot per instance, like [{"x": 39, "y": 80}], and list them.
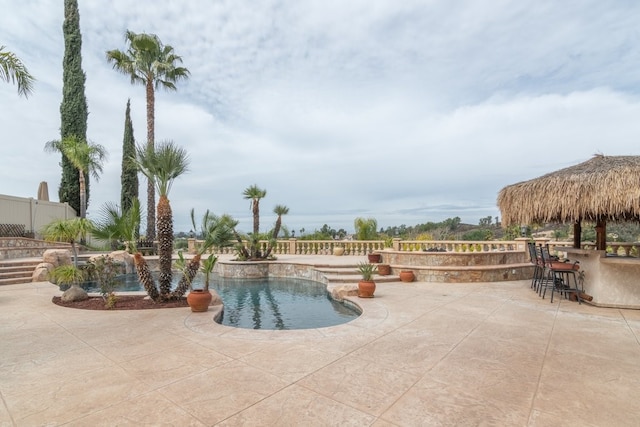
[
  {"x": 349, "y": 274},
  {"x": 17, "y": 271}
]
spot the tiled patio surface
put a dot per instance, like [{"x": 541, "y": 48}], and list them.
[{"x": 422, "y": 354}]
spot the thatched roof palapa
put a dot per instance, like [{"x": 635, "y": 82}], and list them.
[{"x": 604, "y": 188}]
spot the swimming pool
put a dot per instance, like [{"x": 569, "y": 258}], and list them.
[{"x": 269, "y": 303}]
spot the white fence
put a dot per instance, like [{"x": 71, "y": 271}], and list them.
[{"x": 32, "y": 213}]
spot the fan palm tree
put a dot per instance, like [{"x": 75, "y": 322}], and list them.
[
  {"x": 254, "y": 193},
  {"x": 85, "y": 157},
  {"x": 14, "y": 71},
  {"x": 161, "y": 166},
  {"x": 118, "y": 226},
  {"x": 68, "y": 231},
  {"x": 152, "y": 64}
]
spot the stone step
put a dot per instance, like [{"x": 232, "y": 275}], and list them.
[
  {"x": 14, "y": 272},
  {"x": 15, "y": 281},
  {"x": 349, "y": 269},
  {"x": 355, "y": 278}
]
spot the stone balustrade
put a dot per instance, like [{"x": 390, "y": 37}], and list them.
[{"x": 365, "y": 247}]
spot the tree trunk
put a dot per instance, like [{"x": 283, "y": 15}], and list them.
[
  {"x": 144, "y": 276},
  {"x": 187, "y": 278},
  {"x": 83, "y": 195},
  {"x": 256, "y": 228},
  {"x": 274, "y": 239},
  {"x": 151, "y": 191},
  {"x": 165, "y": 245}
]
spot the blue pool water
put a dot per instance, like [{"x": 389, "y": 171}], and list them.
[{"x": 282, "y": 303}]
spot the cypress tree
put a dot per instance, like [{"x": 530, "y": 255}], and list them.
[
  {"x": 73, "y": 109},
  {"x": 129, "y": 176}
]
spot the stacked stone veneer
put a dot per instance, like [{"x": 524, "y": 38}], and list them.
[
  {"x": 21, "y": 247},
  {"x": 459, "y": 267},
  {"x": 258, "y": 269}
]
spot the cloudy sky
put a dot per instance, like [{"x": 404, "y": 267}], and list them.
[{"x": 405, "y": 111}]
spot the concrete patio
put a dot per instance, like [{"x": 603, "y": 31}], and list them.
[{"x": 421, "y": 354}]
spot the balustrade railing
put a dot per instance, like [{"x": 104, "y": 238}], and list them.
[{"x": 365, "y": 247}]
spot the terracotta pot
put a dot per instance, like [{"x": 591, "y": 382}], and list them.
[
  {"x": 384, "y": 269},
  {"x": 199, "y": 300},
  {"x": 366, "y": 288},
  {"x": 407, "y": 276},
  {"x": 338, "y": 251},
  {"x": 374, "y": 258}
]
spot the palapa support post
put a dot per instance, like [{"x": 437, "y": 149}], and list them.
[
  {"x": 577, "y": 232},
  {"x": 601, "y": 235}
]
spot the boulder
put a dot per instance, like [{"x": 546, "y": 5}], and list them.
[
  {"x": 41, "y": 273},
  {"x": 57, "y": 257},
  {"x": 74, "y": 293},
  {"x": 338, "y": 292},
  {"x": 216, "y": 300},
  {"x": 125, "y": 259}
]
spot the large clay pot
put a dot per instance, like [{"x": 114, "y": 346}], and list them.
[
  {"x": 199, "y": 300},
  {"x": 384, "y": 269},
  {"x": 338, "y": 251},
  {"x": 407, "y": 276},
  {"x": 366, "y": 288},
  {"x": 374, "y": 258}
]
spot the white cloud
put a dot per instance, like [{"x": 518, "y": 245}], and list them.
[{"x": 405, "y": 111}]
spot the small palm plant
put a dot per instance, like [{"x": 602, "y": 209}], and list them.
[
  {"x": 218, "y": 231},
  {"x": 367, "y": 271},
  {"x": 69, "y": 231},
  {"x": 67, "y": 275},
  {"x": 367, "y": 287},
  {"x": 207, "y": 269}
]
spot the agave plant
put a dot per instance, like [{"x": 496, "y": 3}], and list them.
[{"x": 367, "y": 270}]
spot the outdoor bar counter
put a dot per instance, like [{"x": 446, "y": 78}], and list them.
[{"x": 613, "y": 281}]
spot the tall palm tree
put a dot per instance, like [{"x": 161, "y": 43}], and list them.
[
  {"x": 68, "y": 231},
  {"x": 162, "y": 166},
  {"x": 254, "y": 193},
  {"x": 278, "y": 210},
  {"x": 85, "y": 157},
  {"x": 150, "y": 63},
  {"x": 14, "y": 71}
]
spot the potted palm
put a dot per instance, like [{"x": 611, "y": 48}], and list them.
[
  {"x": 366, "y": 286},
  {"x": 217, "y": 231},
  {"x": 199, "y": 299}
]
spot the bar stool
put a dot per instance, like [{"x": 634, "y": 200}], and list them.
[{"x": 558, "y": 275}]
